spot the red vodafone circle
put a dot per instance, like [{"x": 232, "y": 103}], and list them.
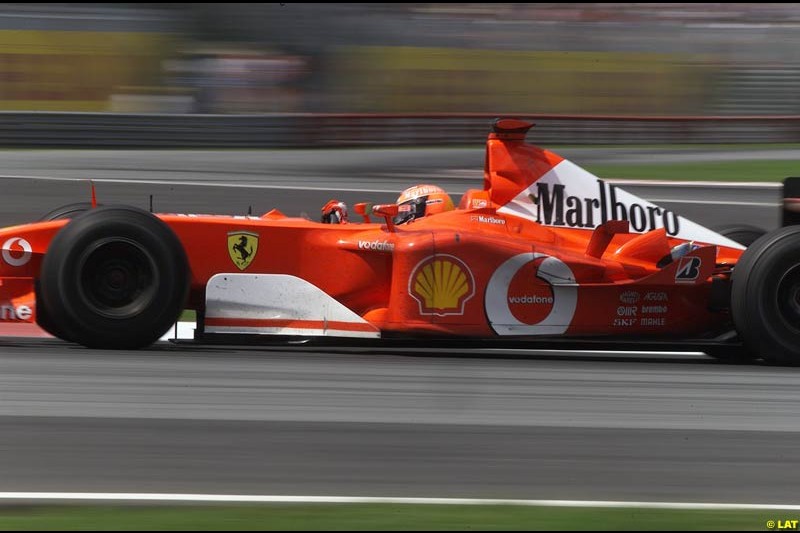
[{"x": 530, "y": 299}]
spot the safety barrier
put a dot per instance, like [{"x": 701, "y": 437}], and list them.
[{"x": 111, "y": 130}]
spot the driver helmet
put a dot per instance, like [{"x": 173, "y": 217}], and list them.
[{"x": 420, "y": 201}]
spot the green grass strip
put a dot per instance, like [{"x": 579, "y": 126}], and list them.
[
  {"x": 687, "y": 147},
  {"x": 707, "y": 171},
  {"x": 380, "y": 517}
]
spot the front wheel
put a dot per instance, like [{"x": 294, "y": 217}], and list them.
[
  {"x": 66, "y": 212},
  {"x": 765, "y": 296},
  {"x": 114, "y": 277}
]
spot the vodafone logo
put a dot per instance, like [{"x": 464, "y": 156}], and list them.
[
  {"x": 531, "y": 294},
  {"x": 16, "y": 251},
  {"x": 530, "y": 298},
  {"x": 377, "y": 246}
]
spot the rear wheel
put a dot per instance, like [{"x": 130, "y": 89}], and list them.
[
  {"x": 114, "y": 277},
  {"x": 765, "y": 297},
  {"x": 741, "y": 233}
]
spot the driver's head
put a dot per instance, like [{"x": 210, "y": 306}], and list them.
[{"x": 420, "y": 201}]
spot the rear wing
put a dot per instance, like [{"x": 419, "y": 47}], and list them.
[{"x": 525, "y": 181}]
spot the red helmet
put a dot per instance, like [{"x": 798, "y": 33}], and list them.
[{"x": 420, "y": 201}]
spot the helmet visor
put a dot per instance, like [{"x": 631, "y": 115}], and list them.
[{"x": 410, "y": 210}]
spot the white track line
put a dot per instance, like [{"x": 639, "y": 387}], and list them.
[
  {"x": 631, "y": 352},
  {"x": 245, "y": 498},
  {"x": 638, "y": 183}
]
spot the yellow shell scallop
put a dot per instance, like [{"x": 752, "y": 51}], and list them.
[{"x": 441, "y": 284}]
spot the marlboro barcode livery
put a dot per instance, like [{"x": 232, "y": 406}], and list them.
[{"x": 544, "y": 250}]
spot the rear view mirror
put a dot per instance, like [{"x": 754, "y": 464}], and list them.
[{"x": 388, "y": 212}]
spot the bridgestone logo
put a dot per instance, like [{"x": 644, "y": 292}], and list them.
[
  {"x": 21, "y": 312},
  {"x": 377, "y": 246},
  {"x": 530, "y": 299},
  {"x": 555, "y": 208}
]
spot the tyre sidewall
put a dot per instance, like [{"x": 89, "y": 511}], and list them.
[
  {"x": 741, "y": 233},
  {"x": 66, "y": 211},
  {"x": 755, "y": 299},
  {"x": 63, "y": 294}
]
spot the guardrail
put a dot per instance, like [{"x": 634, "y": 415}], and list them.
[{"x": 111, "y": 130}]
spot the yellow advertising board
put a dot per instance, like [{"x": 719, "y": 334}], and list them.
[
  {"x": 75, "y": 70},
  {"x": 418, "y": 79}
]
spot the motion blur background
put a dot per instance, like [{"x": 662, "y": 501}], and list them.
[
  {"x": 393, "y": 422},
  {"x": 651, "y": 59}
]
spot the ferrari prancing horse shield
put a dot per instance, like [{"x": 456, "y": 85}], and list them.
[{"x": 242, "y": 247}]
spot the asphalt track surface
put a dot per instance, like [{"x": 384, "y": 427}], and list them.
[
  {"x": 497, "y": 424},
  {"x": 345, "y": 422}
]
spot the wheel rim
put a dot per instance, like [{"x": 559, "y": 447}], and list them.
[
  {"x": 118, "y": 278},
  {"x": 789, "y": 297}
]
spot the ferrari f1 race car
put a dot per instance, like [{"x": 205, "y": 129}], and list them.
[{"x": 544, "y": 250}]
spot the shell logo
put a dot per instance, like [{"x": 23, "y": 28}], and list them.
[{"x": 441, "y": 284}]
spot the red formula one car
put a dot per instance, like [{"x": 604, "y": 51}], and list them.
[{"x": 545, "y": 250}]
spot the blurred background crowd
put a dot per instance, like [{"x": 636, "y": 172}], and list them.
[{"x": 551, "y": 58}]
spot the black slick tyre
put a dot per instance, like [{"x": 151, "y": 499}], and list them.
[
  {"x": 44, "y": 320},
  {"x": 741, "y": 233},
  {"x": 765, "y": 296},
  {"x": 43, "y": 317},
  {"x": 114, "y": 277},
  {"x": 67, "y": 211}
]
